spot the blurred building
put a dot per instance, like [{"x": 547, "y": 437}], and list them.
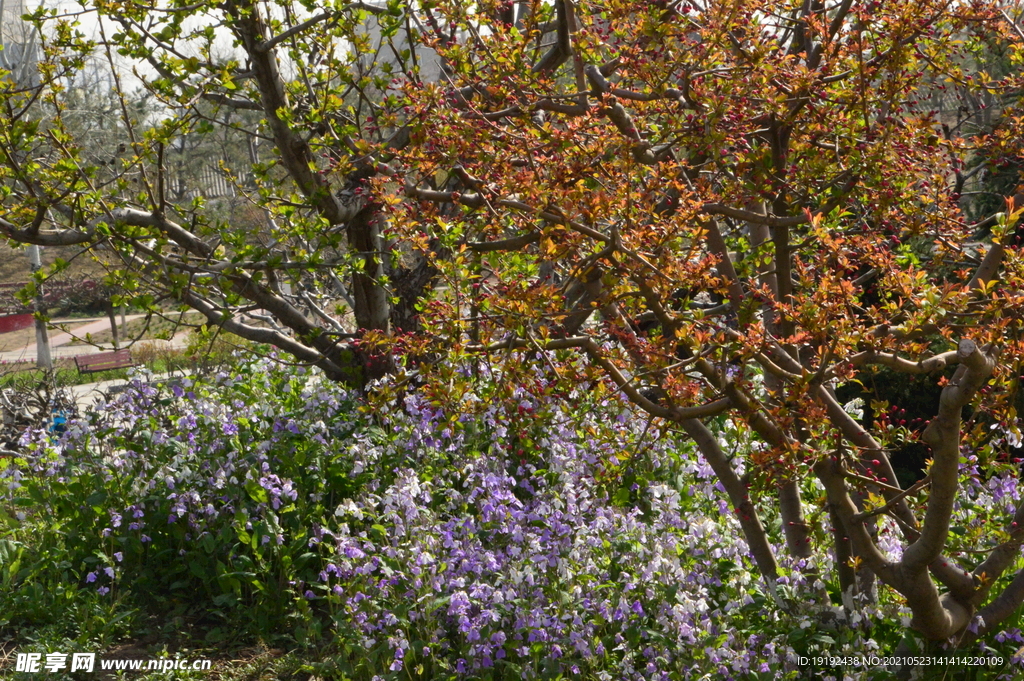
[
  {"x": 391, "y": 44},
  {"x": 20, "y": 49}
]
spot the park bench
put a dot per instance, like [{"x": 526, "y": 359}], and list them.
[{"x": 102, "y": 361}]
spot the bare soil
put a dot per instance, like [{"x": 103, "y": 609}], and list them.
[{"x": 14, "y": 266}]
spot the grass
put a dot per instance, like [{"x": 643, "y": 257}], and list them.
[{"x": 24, "y": 375}]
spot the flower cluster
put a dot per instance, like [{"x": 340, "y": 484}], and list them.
[{"x": 544, "y": 537}]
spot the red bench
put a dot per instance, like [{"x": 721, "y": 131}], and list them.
[{"x": 102, "y": 361}]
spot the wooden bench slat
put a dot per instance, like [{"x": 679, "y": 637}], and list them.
[{"x": 102, "y": 361}]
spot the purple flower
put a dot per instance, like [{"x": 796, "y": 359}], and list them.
[
  {"x": 103, "y": 591},
  {"x": 91, "y": 577},
  {"x": 459, "y": 603},
  {"x": 109, "y": 571},
  {"x": 118, "y": 556}
]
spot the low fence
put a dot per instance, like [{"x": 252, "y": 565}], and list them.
[{"x": 16, "y": 322}]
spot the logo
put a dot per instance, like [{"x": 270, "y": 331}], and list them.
[{"x": 54, "y": 662}]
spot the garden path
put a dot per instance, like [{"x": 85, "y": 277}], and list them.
[
  {"x": 59, "y": 342},
  {"x": 60, "y": 348},
  {"x": 86, "y": 394}
]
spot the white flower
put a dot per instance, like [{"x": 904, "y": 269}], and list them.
[
  {"x": 348, "y": 508},
  {"x": 855, "y": 408}
]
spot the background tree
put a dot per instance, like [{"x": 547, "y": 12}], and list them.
[{"x": 302, "y": 107}]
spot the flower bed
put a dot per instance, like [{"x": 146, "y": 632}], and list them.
[{"x": 530, "y": 537}]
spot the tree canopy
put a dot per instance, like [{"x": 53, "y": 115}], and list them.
[{"x": 727, "y": 209}]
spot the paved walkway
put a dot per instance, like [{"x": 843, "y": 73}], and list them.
[
  {"x": 91, "y": 327},
  {"x": 60, "y": 342},
  {"x": 87, "y": 394}
]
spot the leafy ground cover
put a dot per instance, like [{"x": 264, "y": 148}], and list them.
[{"x": 482, "y": 528}]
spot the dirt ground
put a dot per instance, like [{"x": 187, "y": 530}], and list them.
[{"x": 14, "y": 267}]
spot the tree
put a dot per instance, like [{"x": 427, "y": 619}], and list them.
[
  {"x": 304, "y": 124},
  {"x": 729, "y": 209},
  {"x": 759, "y": 205}
]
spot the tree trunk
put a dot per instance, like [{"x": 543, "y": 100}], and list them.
[{"x": 112, "y": 315}]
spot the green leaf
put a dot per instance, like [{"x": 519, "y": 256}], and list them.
[{"x": 256, "y": 493}]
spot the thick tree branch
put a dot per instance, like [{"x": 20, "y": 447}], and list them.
[
  {"x": 217, "y": 317},
  {"x": 943, "y": 436},
  {"x": 893, "y": 361},
  {"x": 296, "y": 155},
  {"x": 511, "y": 244},
  {"x": 1003, "y": 606},
  {"x": 746, "y": 513},
  {"x": 562, "y": 49},
  {"x": 55, "y": 237},
  {"x": 1001, "y": 557}
]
